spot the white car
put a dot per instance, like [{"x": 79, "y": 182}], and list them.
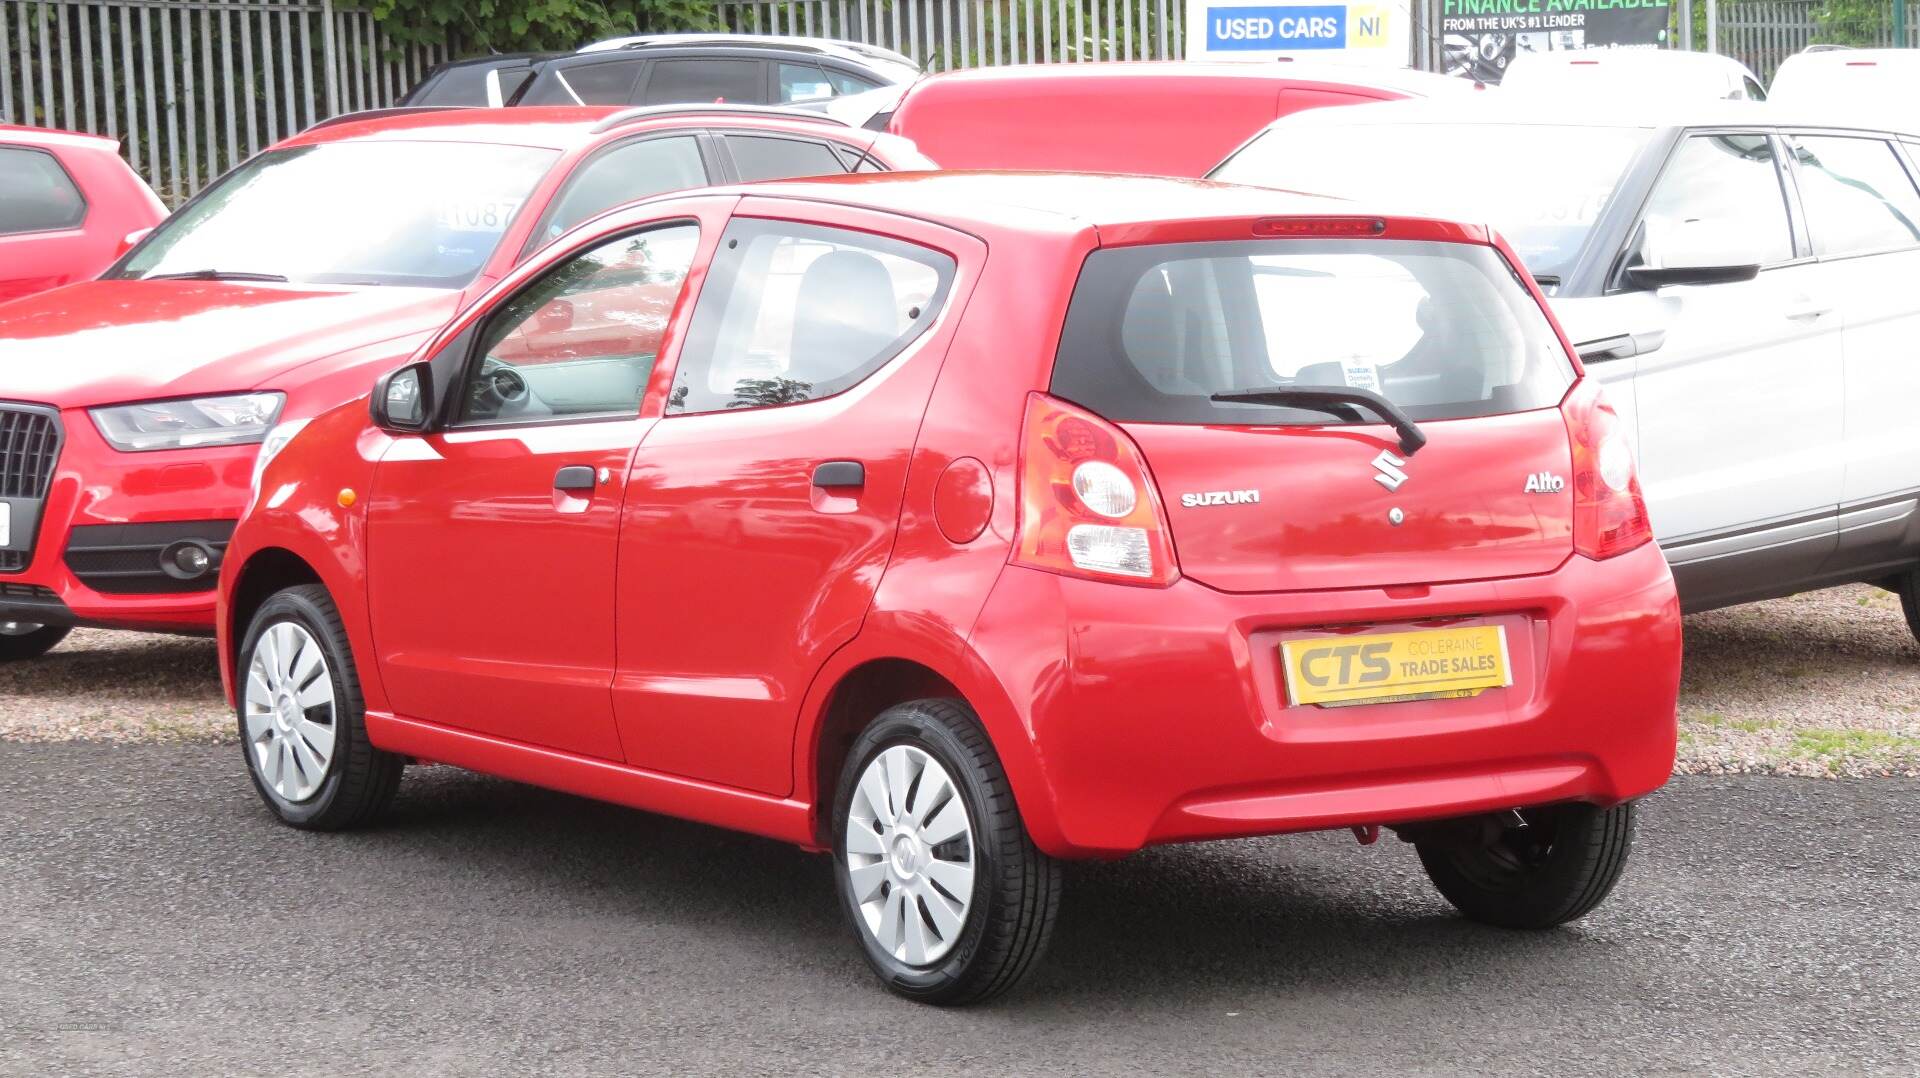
[
  {"x": 1602, "y": 75},
  {"x": 1743, "y": 282},
  {"x": 1865, "y": 81}
]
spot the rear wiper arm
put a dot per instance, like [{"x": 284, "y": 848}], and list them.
[
  {"x": 1338, "y": 400},
  {"x": 215, "y": 275}
]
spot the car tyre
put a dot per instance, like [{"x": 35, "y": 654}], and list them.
[
  {"x": 1554, "y": 870},
  {"x": 302, "y": 719},
  {"x": 20, "y": 641},
  {"x": 944, "y": 872},
  {"x": 1907, "y": 586}
]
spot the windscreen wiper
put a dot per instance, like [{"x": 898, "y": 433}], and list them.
[
  {"x": 215, "y": 275},
  {"x": 1337, "y": 400}
]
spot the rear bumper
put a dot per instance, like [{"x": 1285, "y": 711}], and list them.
[
  {"x": 107, "y": 517},
  {"x": 1161, "y": 715}
]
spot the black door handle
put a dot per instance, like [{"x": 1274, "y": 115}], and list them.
[
  {"x": 574, "y": 477},
  {"x": 840, "y": 473}
]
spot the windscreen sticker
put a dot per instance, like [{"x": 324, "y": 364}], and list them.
[
  {"x": 1361, "y": 374},
  {"x": 489, "y": 215}
]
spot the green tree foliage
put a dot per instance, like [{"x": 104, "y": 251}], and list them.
[{"x": 479, "y": 26}]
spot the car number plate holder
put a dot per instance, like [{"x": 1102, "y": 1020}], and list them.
[{"x": 1383, "y": 668}]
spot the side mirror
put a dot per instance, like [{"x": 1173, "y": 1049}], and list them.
[
  {"x": 402, "y": 400},
  {"x": 1621, "y": 326},
  {"x": 1694, "y": 252},
  {"x": 131, "y": 240}
]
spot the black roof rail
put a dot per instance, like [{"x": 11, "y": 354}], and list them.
[
  {"x": 652, "y": 112},
  {"x": 368, "y": 114}
]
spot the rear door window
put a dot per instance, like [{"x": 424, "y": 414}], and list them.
[
  {"x": 794, "y": 313},
  {"x": 36, "y": 194},
  {"x": 681, "y": 82},
  {"x": 758, "y": 157},
  {"x": 1444, "y": 330},
  {"x": 1858, "y": 195},
  {"x": 609, "y": 83}
]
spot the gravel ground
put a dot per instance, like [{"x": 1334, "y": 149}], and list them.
[{"x": 1825, "y": 684}]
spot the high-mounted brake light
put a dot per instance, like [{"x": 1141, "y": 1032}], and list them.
[
  {"x": 1319, "y": 226},
  {"x": 1088, "y": 506},
  {"x": 1609, "y": 515}
]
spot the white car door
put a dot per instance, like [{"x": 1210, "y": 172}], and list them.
[
  {"x": 1863, "y": 217},
  {"x": 1739, "y": 414}
]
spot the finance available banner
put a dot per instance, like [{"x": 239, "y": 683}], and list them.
[{"x": 1479, "y": 38}]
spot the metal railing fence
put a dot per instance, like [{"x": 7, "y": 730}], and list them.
[
  {"x": 943, "y": 35},
  {"x": 193, "y": 87}
]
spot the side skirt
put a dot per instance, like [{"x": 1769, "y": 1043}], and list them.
[{"x": 603, "y": 780}]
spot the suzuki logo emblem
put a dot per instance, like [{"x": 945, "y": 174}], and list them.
[{"x": 1388, "y": 466}]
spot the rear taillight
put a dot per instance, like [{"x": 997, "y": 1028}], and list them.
[
  {"x": 1609, "y": 515},
  {"x": 1087, "y": 505}
]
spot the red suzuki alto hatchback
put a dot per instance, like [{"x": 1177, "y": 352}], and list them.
[{"x": 963, "y": 522}]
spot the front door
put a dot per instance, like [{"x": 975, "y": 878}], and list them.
[
  {"x": 491, "y": 542},
  {"x": 762, "y": 508},
  {"x": 1739, "y": 413}
]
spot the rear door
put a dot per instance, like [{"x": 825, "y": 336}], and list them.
[
  {"x": 761, "y": 509},
  {"x": 1863, "y": 216},
  {"x": 42, "y": 217},
  {"x": 1271, "y": 497}
]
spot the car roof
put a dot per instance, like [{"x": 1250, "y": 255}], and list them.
[
  {"x": 1847, "y": 57},
  {"x": 967, "y": 200},
  {"x": 1407, "y": 81},
  {"x": 1522, "y": 109},
  {"x": 848, "y": 50},
  {"x": 18, "y": 135},
  {"x": 554, "y": 127},
  {"x": 1631, "y": 58}
]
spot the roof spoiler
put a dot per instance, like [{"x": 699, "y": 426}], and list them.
[{"x": 370, "y": 114}]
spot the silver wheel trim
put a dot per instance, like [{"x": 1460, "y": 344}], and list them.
[
  {"x": 290, "y": 715},
  {"x": 19, "y": 628},
  {"x": 910, "y": 855}
]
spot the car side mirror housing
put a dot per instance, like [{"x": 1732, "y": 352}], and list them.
[
  {"x": 402, "y": 400},
  {"x": 1694, "y": 252}
]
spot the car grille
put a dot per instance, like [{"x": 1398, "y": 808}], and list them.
[{"x": 29, "y": 446}]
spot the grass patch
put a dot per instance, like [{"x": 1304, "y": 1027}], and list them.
[
  {"x": 1834, "y": 744},
  {"x": 1715, "y": 719}
]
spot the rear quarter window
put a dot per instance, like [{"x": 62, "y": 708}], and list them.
[
  {"x": 36, "y": 194},
  {"x": 1444, "y": 330}
]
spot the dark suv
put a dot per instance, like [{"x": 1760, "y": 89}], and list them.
[{"x": 684, "y": 68}]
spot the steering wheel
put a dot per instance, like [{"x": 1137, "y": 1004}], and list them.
[{"x": 498, "y": 389}]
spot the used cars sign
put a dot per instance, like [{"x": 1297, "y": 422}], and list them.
[{"x": 1369, "y": 33}]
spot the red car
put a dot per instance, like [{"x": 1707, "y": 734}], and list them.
[
  {"x": 959, "y": 523},
  {"x": 1164, "y": 119},
  {"x": 133, "y": 408},
  {"x": 69, "y": 206}
]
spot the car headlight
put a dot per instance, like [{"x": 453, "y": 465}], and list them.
[{"x": 238, "y": 419}]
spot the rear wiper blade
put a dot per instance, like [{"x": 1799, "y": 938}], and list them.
[
  {"x": 215, "y": 275},
  {"x": 1338, "y": 400}
]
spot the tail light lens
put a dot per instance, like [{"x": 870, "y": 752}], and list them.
[
  {"x": 1609, "y": 515},
  {"x": 1088, "y": 507}
]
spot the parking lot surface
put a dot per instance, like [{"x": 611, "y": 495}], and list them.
[{"x": 156, "y": 922}]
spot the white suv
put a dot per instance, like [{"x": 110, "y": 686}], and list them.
[{"x": 1742, "y": 281}]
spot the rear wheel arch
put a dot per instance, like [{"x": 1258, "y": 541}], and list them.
[{"x": 858, "y": 697}]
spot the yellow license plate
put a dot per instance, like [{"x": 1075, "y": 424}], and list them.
[{"x": 1427, "y": 664}]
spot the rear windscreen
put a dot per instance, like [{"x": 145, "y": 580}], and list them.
[{"x": 1444, "y": 330}]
